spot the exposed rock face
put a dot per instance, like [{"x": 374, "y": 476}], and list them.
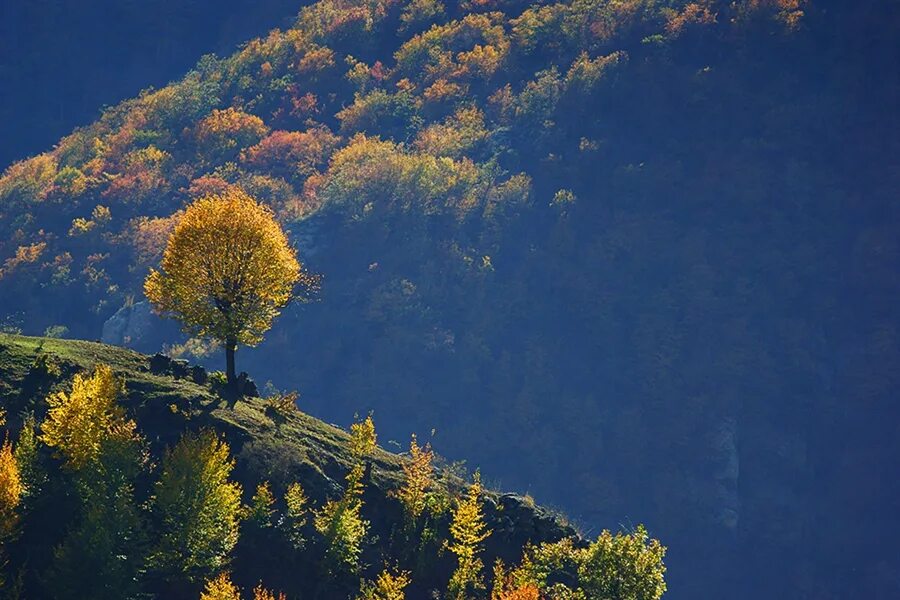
[
  {"x": 136, "y": 326},
  {"x": 129, "y": 325}
]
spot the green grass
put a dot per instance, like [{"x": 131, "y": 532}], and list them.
[{"x": 280, "y": 449}]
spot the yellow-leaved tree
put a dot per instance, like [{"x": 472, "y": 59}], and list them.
[
  {"x": 340, "y": 521},
  {"x": 10, "y": 497},
  {"x": 220, "y": 587},
  {"x": 418, "y": 474},
  {"x": 198, "y": 507},
  {"x": 11, "y": 490},
  {"x": 468, "y": 530},
  {"x": 80, "y": 422},
  {"x": 227, "y": 272}
]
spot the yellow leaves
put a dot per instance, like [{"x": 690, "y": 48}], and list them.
[
  {"x": 387, "y": 586},
  {"x": 227, "y": 270},
  {"x": 455, "y": 136},
  {"x": 362, "y": 438},
  {"x": 78, "y": 423},
  {"x": 369, "y": 170},
  {"x": 220, "y": 588},
  {"x": 11, "y": 488},
  {"x": 199, "y": 507},
  {"x": 261, "y": 593},
  {"x": 228, "y": 130},
  {"x": 468, "y": 530},
  {"x": 100, "y": 217},
  {"x": 418, "y": 472},
  {"x": 296, "y": 501},
  {"x": 261, "y": 505},
  {"x": 29, "y": 180}
]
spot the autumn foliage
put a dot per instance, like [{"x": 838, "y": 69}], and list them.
[{"x": 227, "y": 271}]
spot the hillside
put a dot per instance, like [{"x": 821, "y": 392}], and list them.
[
  {"x": 63, "y": 61},
  {"x": 165, "y": 400},
  {"x": 636, "y": 257}
]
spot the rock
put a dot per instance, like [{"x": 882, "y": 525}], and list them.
[
  {"x": 199, "y": 375},
  {"x": 180, "y": 368},
  {"x": 129, "y": 326},
  {"x": 160, "y": 364},
  {"x": 246, "y": 386}
]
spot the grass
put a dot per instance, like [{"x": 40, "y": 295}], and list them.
[{"x": 280, "y": 447}]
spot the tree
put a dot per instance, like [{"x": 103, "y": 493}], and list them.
[
  {"x": 198, "y": 507},
  {"x": 28, "y": 460},
  {"x": 11, "y": 491},
  {"x": 220, "y": 588},
  {"x": 468, "y": 530},
  {"x": 227, "y": 271},
  {"x": 79, "y": 422},
  {"x": 418, "y": 478},
  {"x": 624, "y": 566},
  {"x": 101, "y": 554},
  {"x": 387, "y": 586},
  {"x": 340, "y": 521},
  {"x": 261, "y": 593}
]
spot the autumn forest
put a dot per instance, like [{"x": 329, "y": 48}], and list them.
[{"x": 616, "y": 280}]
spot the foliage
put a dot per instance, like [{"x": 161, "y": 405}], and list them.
[
  {"x": 283, "y": 404},
  {"x": 340, "y": 522},
  {"x": 625, "y": 565},
  {"x": 387, "y": 586},
  {"x": 220, "y": 587},
  {"x": 102, "y": 556},
  {"x": 468, "y": 531},
  {"x": 227, "y": 270},
  {"x": 261, "y": 505},
  {"x": 80, "y": 422},
  {"x": 362, "y": 438},
  {"x": 418, "y": 478},
  {"x": 31, "y": 470},
  {"x": 11, "y": 490},
  {"x": 224, "y": 133},
  {"x": 261, "y": 593},
  {"x": 296, "y": 515},
  {"x": 198, "y": 507},
  {"x": 292, "y": 154}
]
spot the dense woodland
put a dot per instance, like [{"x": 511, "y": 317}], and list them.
[{"x": 637, "y": 257}]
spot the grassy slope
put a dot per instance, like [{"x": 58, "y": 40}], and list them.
[{"x": 295, "y": 448}]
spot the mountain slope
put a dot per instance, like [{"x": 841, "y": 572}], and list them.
[
  {"x": 637, "y": 257},
  {"x": 164, "y": 399}
]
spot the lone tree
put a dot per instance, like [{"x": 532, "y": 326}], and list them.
[{"x": 227, "y": 271}]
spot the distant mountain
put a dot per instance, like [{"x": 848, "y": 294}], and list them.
[
  {"x": 61, "y": 60},
  {"x": 638, "y": 258}
]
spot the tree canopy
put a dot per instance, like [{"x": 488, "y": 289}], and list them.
[{"x": 227, "y": 271}]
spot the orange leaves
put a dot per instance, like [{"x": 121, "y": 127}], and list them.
[
  {"x": 292, "y": 153},
  {"x": 149, "y": 235},
  {"x": 695, "y": 13},
  {"x": 24, "y": 255}
]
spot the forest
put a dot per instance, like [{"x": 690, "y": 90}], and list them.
[{"x": 636, "y": 258}]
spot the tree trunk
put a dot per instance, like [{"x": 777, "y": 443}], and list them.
[{"x": 230, "y": 347}]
